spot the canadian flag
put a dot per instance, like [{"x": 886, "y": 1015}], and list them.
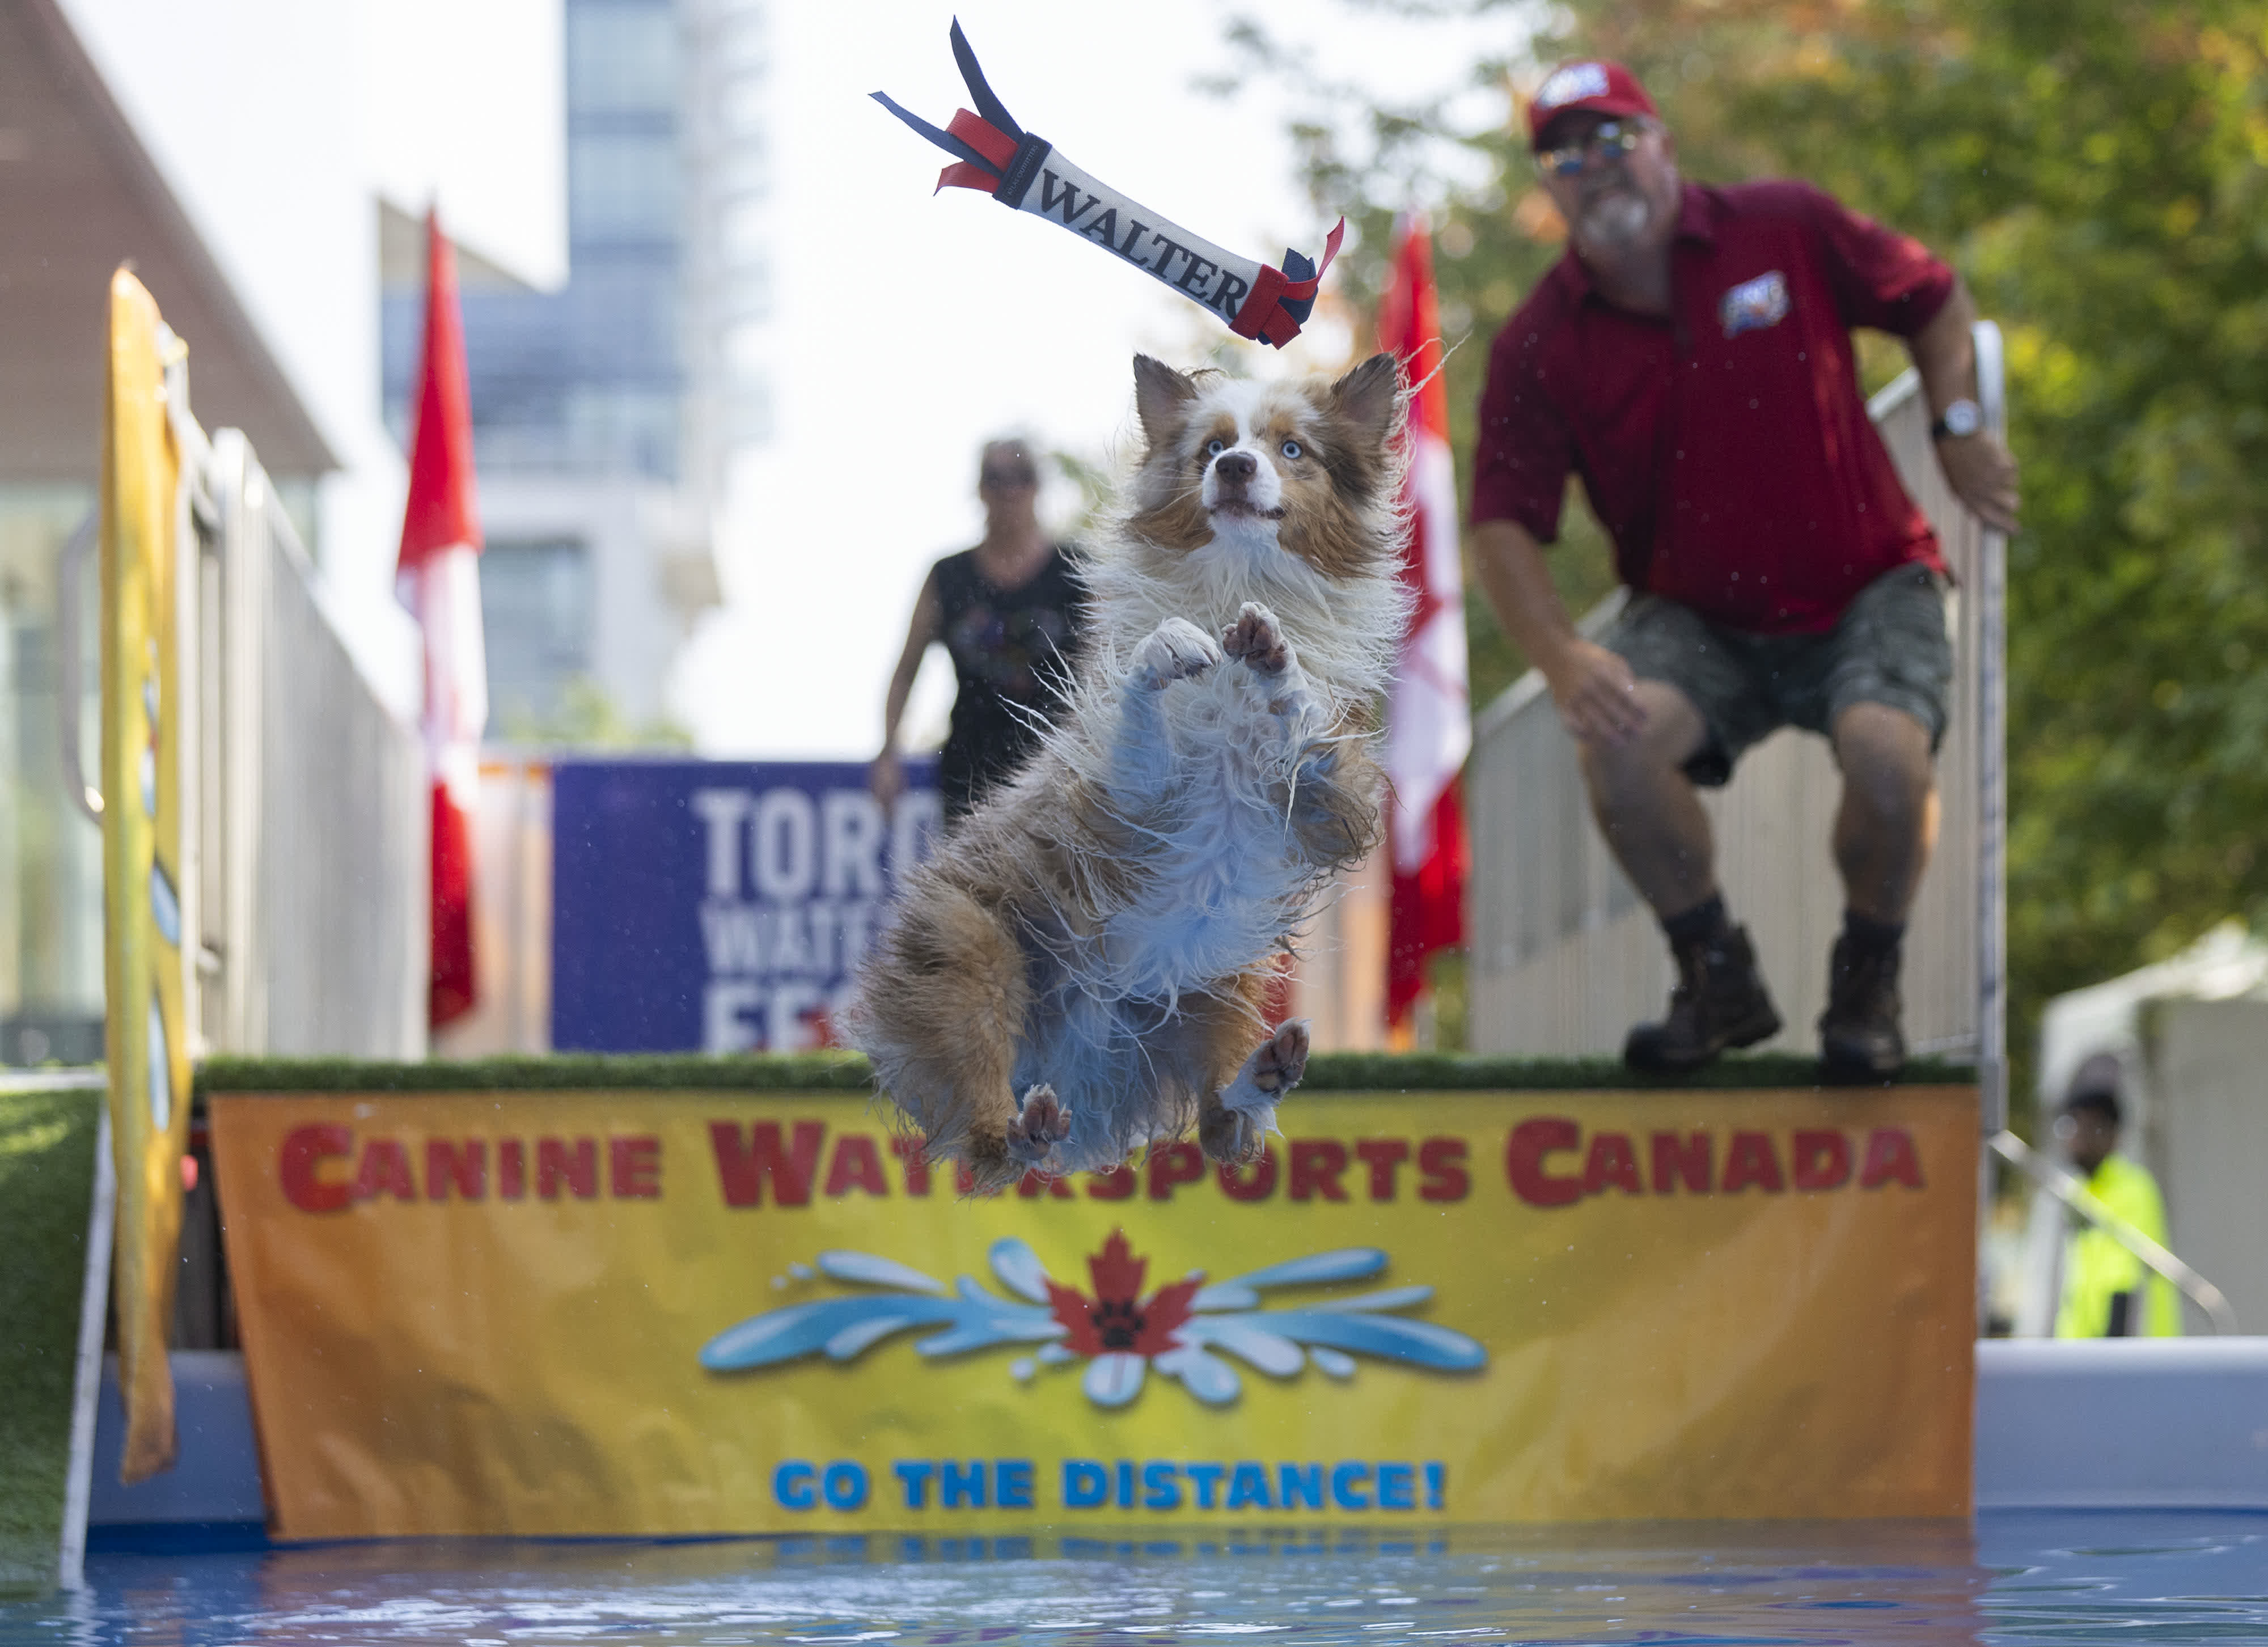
[
  {"x": 438, "y": 579},
  {"x": 1428, "y": 720}
]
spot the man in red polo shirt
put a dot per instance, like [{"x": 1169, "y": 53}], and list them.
[{"x": 1691, "y": 358}]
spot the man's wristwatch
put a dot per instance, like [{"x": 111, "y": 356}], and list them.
[{"x": 1960, "y": 420}]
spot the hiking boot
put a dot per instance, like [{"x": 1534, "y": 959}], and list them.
[
  {"x": 1720, "y": 1001},
  {"x": 1860, "y": 1040}
]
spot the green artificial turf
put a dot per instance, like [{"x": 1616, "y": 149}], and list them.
[
  {"x": 797, "y": 1072},
  {"x": 46, "y": 1183},
  {"x": 847, "y": 1072}
]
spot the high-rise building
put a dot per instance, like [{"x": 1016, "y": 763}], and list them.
[
  {"x": 595, "y": 426},
  {"x": 728, "y": 253}
]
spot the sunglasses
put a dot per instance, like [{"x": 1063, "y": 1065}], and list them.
[
  {"x": 1611, "y": 140},
  {"x": 1006, "y": 480}
]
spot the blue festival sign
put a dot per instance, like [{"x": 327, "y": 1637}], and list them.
[{"x": 716, "y": 905}]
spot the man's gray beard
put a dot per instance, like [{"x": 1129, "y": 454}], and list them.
[{"x": 1617, "y": 219}]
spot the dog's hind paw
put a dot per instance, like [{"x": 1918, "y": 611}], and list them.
[
  {"x": 1042, "y": 1123},
  {"x": 1234, "y": 1137},
  {"x": 1175, "y": 651},
  {"x": 1256, "y": 638},
  {"x": 1235, "y": 1127},
  {"x": 1279, "y": 1063}
]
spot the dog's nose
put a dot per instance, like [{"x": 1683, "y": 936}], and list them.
[{"x": 1236, "y": 468}]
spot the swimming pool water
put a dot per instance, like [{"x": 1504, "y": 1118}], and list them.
[{"x": 2014, "y": 1578}]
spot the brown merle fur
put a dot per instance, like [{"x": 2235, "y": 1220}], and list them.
[{"x": 949, "y": 991}]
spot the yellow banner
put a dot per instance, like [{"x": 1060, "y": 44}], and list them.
[
  {"x": 146, "y": 1028},
  {"x": 580, "y": 1313}
]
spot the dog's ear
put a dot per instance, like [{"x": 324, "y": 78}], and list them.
[
  {"x": 1369, "y": 398},
  {"x": 1161, "y": 400}
]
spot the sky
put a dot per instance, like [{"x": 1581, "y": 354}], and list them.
[{"x": 911, "y": 328}]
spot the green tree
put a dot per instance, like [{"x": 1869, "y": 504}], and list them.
[
  {"x": 2097, "y": 169},
  {"x": 586, "y": 717}
]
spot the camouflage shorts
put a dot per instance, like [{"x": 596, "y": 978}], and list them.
[{"x": 1890, "y": 647}]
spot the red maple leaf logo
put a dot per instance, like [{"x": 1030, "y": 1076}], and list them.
[{"x": 1118, "y": 1320}]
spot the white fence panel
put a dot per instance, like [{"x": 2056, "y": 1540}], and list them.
[{"x": 317, "y": 927}]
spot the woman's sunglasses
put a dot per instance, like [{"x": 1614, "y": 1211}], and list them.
[{"x": 1611, "y": 140}]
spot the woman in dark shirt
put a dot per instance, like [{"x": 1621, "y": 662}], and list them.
[{"x": 1008, "y": 612}]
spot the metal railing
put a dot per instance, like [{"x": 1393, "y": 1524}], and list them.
[
  {"x": 2066, "y": 1188},
  {"x": 70, "y": 578},
  {"x": 1990, "y": 799}
]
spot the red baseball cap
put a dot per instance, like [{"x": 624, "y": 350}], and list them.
[{"x": 1589, "y": 85}]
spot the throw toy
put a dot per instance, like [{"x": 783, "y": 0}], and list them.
[{"x": 1024, "y": 172}]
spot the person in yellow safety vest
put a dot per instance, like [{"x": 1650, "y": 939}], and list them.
[{"x": 2107, "y": 1291}]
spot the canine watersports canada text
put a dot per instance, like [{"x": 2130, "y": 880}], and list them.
[{"x": 1548, "y": 1161}]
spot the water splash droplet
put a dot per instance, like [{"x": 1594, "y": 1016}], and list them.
[
  {"x": 1020, "y": 1268},
  {"x": 870, "y": 1270},
  {"x": 1347, "y": 1263}
]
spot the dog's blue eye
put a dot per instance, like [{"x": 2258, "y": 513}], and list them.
[
  {"x": 1214, "y": 448},
  {"x": 1292, "y": 449}
]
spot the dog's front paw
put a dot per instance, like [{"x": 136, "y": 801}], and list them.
[
  {"x": 1175, "y": 651},
  {"x": 1042, "y": 1123},
  {"x": 1256, "y": 638}
]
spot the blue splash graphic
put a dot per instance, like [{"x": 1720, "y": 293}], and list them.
[{"x": 1226, "y": 1319}]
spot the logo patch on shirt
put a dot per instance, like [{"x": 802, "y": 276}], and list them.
[
  {"x": 1754, "y": 304},
  {"x": 1576, "y": 81}
]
